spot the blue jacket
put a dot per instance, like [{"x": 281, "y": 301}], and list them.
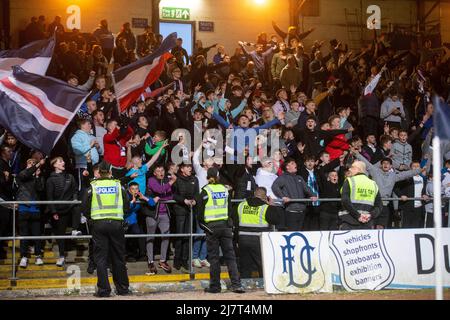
[
  {"x": 131, "y": 215},
  {"x": 81, "y": 144}
]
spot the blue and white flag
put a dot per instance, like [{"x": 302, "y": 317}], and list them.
[
  {"x": 131, "y": 80},
  {"x": 37, "y": 109},
  {"x": 35, "y": 57}
]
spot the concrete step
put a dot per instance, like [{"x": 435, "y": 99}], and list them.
[
  {"x": 61, "y": 282},
  {"x": 46, "y": 249},
  {"x": 32, "y": 267},
  {"x": 34, "y": 274},
  {"x": 47, "y": 254},
  {"x": 31, "y": 260},
  {"x": 10, "y": 244}
]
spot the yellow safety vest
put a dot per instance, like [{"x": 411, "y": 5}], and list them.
[
  {"x": 253, "y": 217},
  {"x": 107, "y": 202},
  {"x": 216, "y": 209},
  {"x": 362, "y": 190}
]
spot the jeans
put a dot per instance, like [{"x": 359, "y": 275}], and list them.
[
  {"x": 29, "y": 224},
  {"x": 199, "y": 250}
]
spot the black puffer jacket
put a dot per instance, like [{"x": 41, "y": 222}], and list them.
[
  {"x": 184, "y": 188},
  {"x": 245, "y": 184},
  {"x": 30, "y": 186},
  {"x": 62, "y": 187}
]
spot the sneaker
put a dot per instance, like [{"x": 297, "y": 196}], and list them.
[
  {"x": 60, "y": 262},
  {"x": 165, "y": 266},
  {"x": 196, "y": 263},
  {"x": 23, "y": 262},
  {"x": 76, "y": 233},
  {"x": 205, "y": 263},
  {"x": 152, "y": 268},
  {"x": 39, "y": 261}
]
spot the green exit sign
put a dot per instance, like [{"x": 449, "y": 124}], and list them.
[{"x": 176, "y": 13}]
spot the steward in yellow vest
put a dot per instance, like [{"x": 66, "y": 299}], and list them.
[
  {"x": 361, "y": 199},
  {"x": 255, "y": 215},
  {"x": 213, "y": 217},
  {"x": 104, "y": 204}
]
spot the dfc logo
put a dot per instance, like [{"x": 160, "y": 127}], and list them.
[{"x": 291, "y": 265}]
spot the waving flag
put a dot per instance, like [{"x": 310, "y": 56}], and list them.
[
  {"x": 130, "y": 81},
  {"x": 35, "y": 57},
  {"x": 37, "y": 109}
]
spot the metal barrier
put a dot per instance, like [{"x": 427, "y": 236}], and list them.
[{"x": 191, "y": 235}]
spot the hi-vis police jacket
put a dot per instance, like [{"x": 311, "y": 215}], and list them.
[
  {"x": 216, "y": 210},
  {"x": 353, "y": 206},
  {"x": 87, "y": 199}
]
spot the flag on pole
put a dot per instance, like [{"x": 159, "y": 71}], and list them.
[
  {"x": 35, "y": 57},
  {"x": 37, "y": 109},
  {"x": 130, "y": 81}
]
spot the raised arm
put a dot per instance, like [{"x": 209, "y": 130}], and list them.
[
  {"x": 156, "y": 155},
  {"x": 280, "y": 32},
  {"x": 403, "y": 175},
  {"x": 221, "y": 120},
  {"x": 372, "y": 169}
]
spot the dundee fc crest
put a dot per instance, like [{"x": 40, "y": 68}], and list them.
[{"x": 296, "y": 262}]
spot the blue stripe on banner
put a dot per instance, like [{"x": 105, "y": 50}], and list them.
[
  {"x": 168, "y": 43},
  {"x": 410, "y": 286},
  {"x": 57, "y": 91},
  {"x": 40, "y": 48},
  {"x": 24, "y": 126}
]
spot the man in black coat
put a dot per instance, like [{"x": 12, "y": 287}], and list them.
[
  {"x": 185, "y": 191},
  {"x": 413, "y": 211}
]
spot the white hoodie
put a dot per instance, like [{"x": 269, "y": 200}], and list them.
[{"x": 265, "y": 179}]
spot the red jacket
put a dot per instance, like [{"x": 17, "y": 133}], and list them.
[
  {"x": 337, "y": 146},
  {"x": 112, "y": 145}
]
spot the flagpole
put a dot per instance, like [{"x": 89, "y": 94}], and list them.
[{"x": 437, "y": 215}]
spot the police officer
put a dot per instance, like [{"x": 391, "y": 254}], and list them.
[
  {"x": 255, "y": 215},
  {"x": 104, "y": 204},
  {"x": 361, "y": 199},
  {"x": 214, "y": 207}
]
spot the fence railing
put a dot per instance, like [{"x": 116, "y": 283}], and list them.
[{"x": 191, "y": 235}]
